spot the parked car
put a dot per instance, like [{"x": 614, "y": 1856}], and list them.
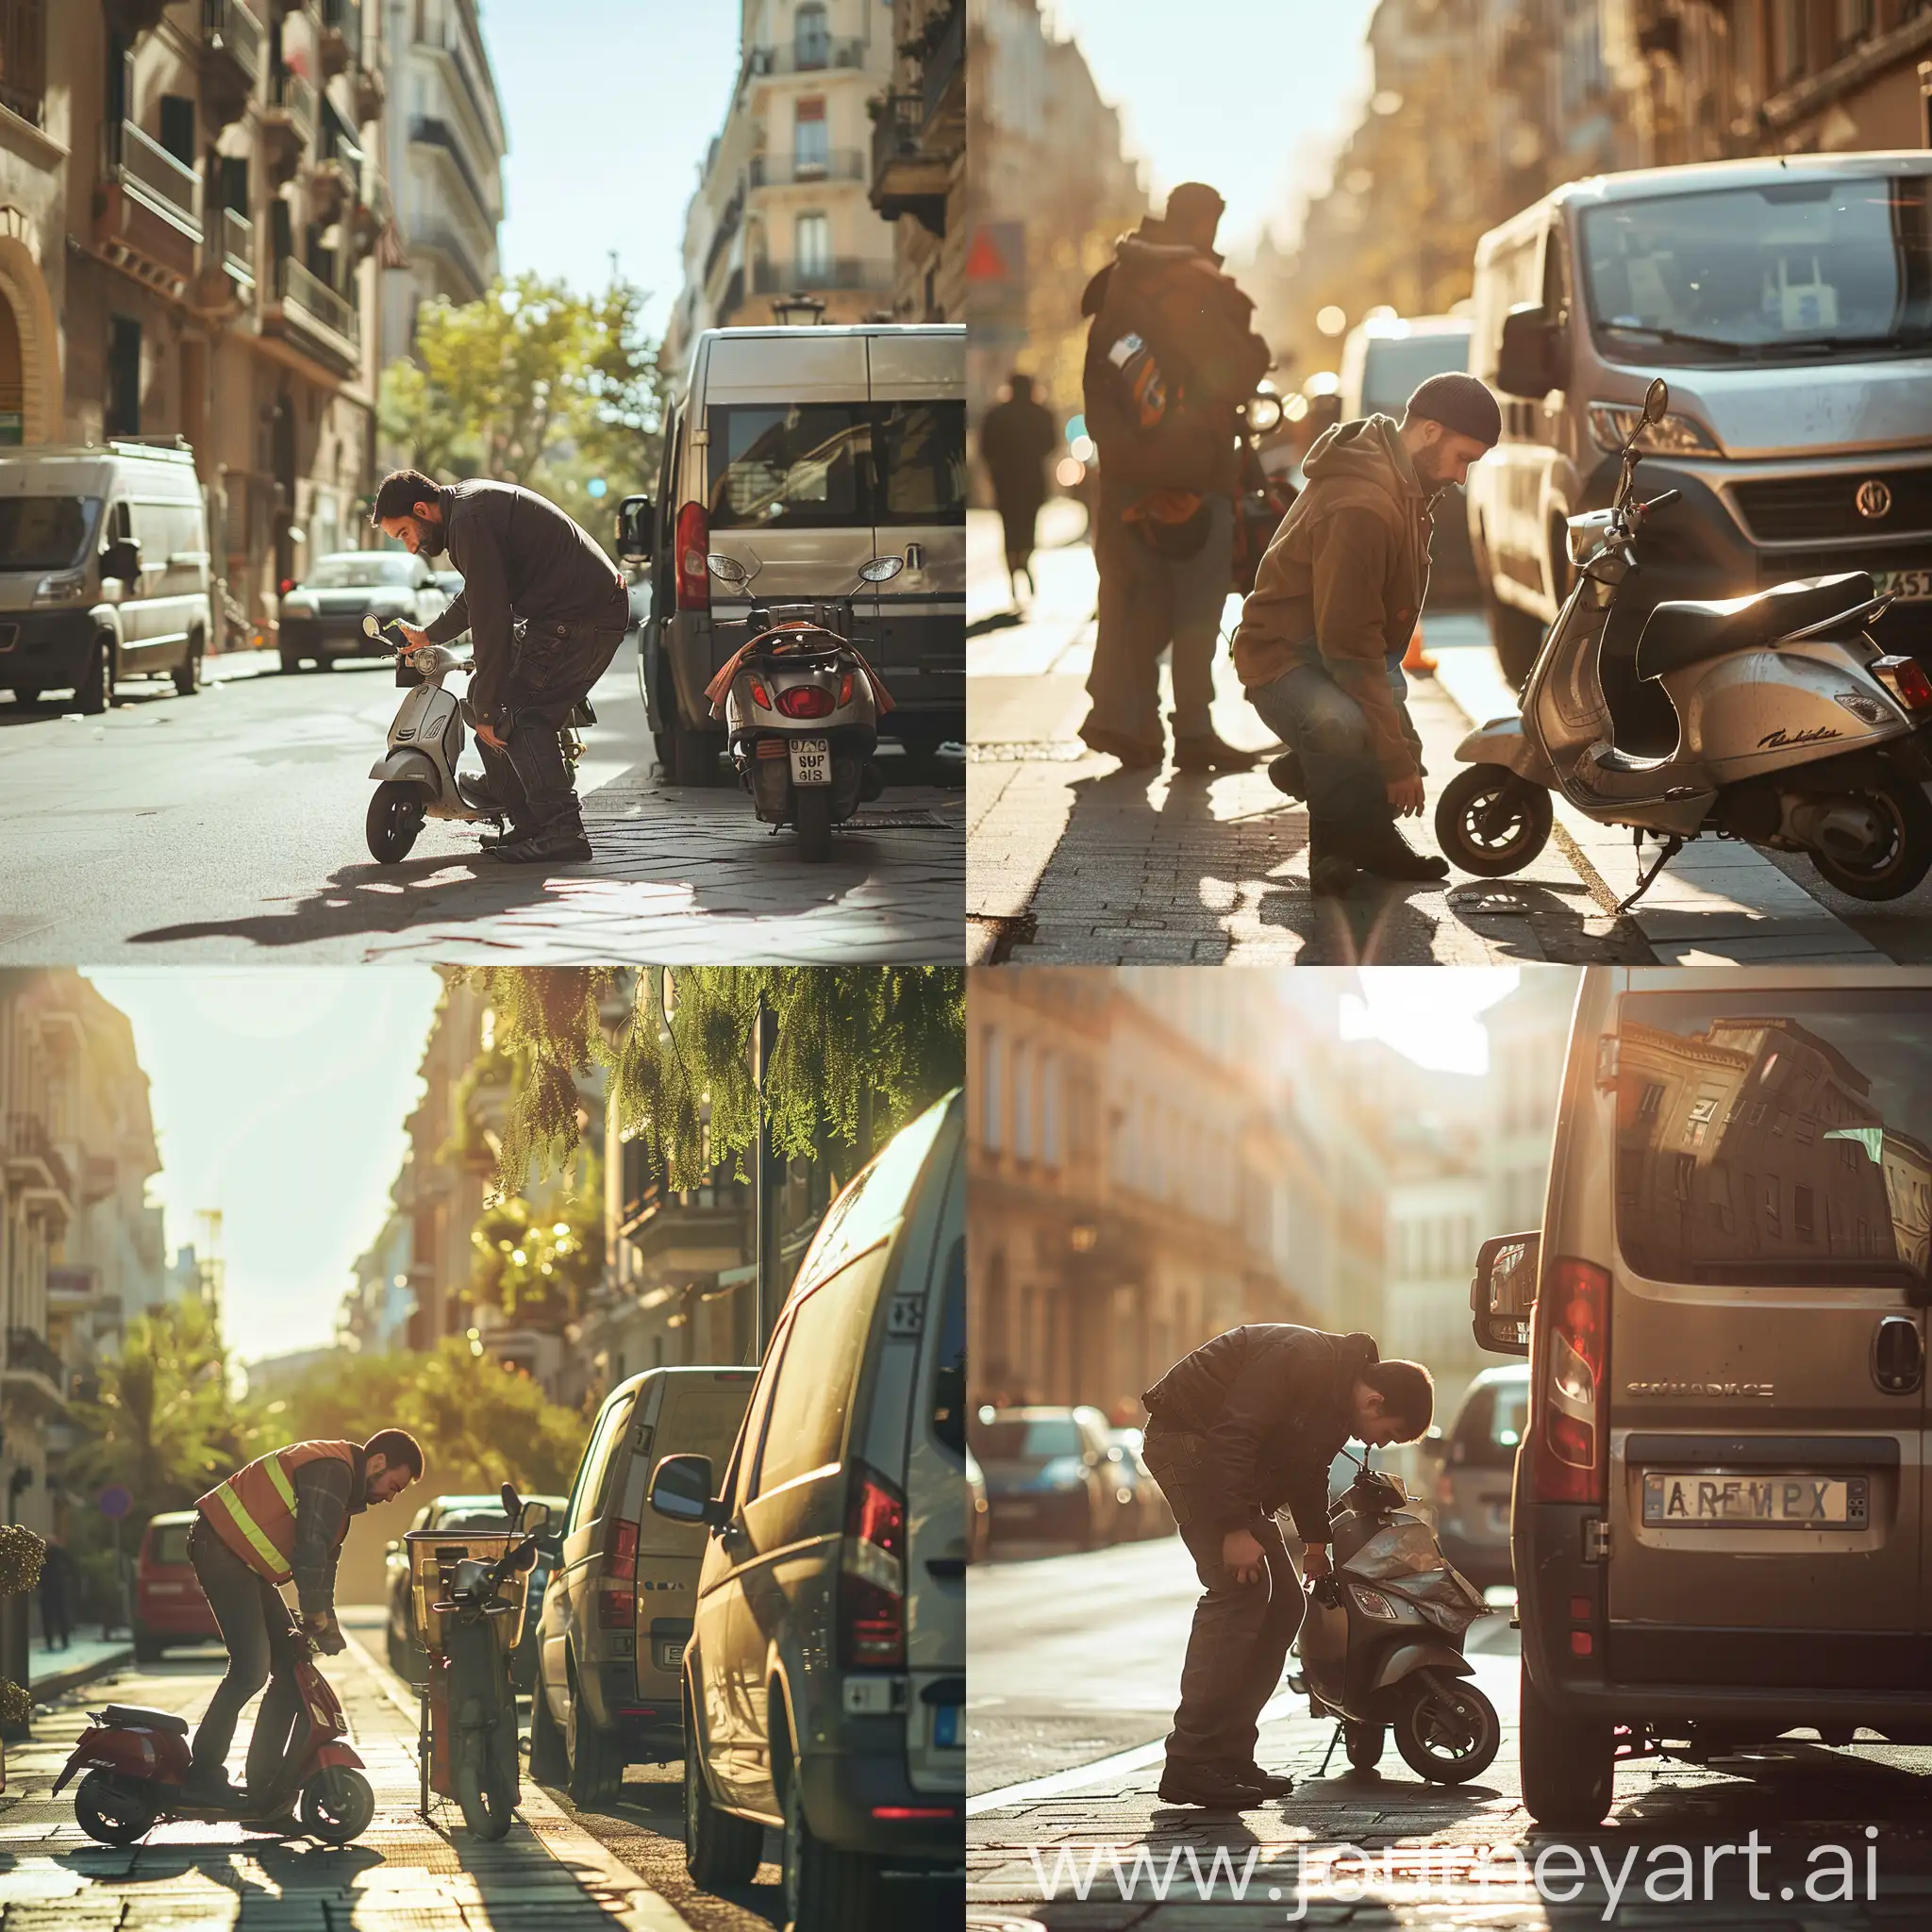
[
  {"x": 824, "y": 1681},
  {"x": 322, "y": 616},
  {"x": 1477, "y": 1465},
  {"x": 1052, "y": 1473},
  {"x": 1716, "y": 1518},
  {"x": 105, "y": 569},
  {"x": 405, "y": 1657},
  {"x": 1148, "y": 1514},
  {"x": 978, "y": 1516},
  {"x": 614, "y": 1624},
  {"x": 810, "y": 450},
  {"x": 169, "y": 1604}
]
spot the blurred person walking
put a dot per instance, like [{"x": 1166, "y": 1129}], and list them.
[
  {"x": 1244, "y": 1425},
  {"x": 57, "y": 1596},
  {"x": 1171, "y": 357},
  {"x": 1322, "y": 637},
  {"x": 1015, "y": 440}
]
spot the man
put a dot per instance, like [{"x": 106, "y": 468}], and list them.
[
  {"x": 57, "y": 1596},
  {"x": 1171, "y": 356},
  {"x": 1246, "y": 1423},
  {"x": 1322, "y": 637},
  {"x": 280, "y": 1518},
  {"x": 1015, "y": 440},
  {"x": 546, "y": 611}
]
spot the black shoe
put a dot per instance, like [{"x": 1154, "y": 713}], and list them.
[
  {"x": 1329, "y": 874},
  {"x": 517, "y": 832},
  {"x": 1133, "y": 755},
  {"x": 562, "y": 845},
  {"x": 1271, "y": 1784},
  {"x": 1380, "y": 848},
  {"x": 1210, "y": 1785},
  {"x": 1285, "y": 775},
  {"x": 1212, "y": 753},
  {"x": 212, "y": 1788}
]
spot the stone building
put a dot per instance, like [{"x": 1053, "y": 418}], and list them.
[{"x": 919, "y": 161}]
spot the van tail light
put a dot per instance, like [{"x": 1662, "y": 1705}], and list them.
[
  {"x": 693, "y": 540},
  {"x": 872, "y": 1575},
  {"x": 805, "y": 701},
  {"x": 617, "y": 1595},
  {"x": 1567, "y": 1463},
  {"x": 1908, "y": 680}
]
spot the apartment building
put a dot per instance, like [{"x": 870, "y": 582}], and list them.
[{"x": 919, "y": 161}]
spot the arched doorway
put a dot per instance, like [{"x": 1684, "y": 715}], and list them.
[
  {"x": 30, "y": 393},
  {"x": 13, "y": 380}
]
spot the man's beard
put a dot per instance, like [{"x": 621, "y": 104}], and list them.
[{"x": 428, "y": 538}]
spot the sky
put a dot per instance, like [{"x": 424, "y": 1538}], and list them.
[
  {"x": 279, "y": 1096},
  {"x": 1249, "y": 95},
  {"x": 1430, "y": 1014},
  {"x": 610, "y": 105}
]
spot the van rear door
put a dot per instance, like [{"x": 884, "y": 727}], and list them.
[{"x": 1771, "y": 1150}]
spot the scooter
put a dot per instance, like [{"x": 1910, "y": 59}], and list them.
[
  {"x": 136, "y": 1760},
  {"x": 1381, "y": 1642},
  {"x": 1795, "y": 731},
  {"x": 801, "y": 709},
  {"x": 416, "y": 777}
]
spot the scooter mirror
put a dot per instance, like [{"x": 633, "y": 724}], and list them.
[
  {"x": 727, "y": 569},
  {"x": 1263, "y": 412},
  {"x": 882, "y": 570},
  {"x": 1657, "y": 399},
  {"x": 512, "y": 1502},
  {"x": 371, "y": 628}
]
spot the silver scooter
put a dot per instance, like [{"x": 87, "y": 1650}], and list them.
[
  {"x": 416, "y": 777},
  {"x": 1795, "y": 730}
]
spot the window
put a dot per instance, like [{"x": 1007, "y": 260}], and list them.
[
  {"x": 990, "y": 1096},
  {"x": 811, "y": 246},
  {"x": 811, "y": 44},
  {"x": 585, "y": 1494},
  {"x": 833, "y": 465},
  {"x": 122, "y": 416},
  {"x": 1653, "y": 1099},
  {"x": 1802, "y": 1207},
  {"x": 1023, "y": 1102},
  {"x": 818, "y": 1373},
  {"x": 1049, "y": 1109},
  {"x": 177, "y": 128},
  {"x": 920, "y": 458},
  {"x": 809, "y": 148}
]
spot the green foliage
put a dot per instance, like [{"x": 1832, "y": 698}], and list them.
[
  {"x": 537, "y": 1263},
  {"x": 21, "y": 1555},
  {"x": 860, "y": 1051}
]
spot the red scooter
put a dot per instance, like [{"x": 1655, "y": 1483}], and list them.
[{"x": 136, "y": 1762}]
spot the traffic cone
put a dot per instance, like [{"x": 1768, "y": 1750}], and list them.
[{"x": 1416, "y": 658}]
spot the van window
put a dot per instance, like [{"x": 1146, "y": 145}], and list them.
[
  {"x": 1393, "y": 366},
  {"x": 169, "y": 1544},
  {"x": 873, "y": 1203},
  {"x": 586, "y": 1495},
  {"x": 819, "y": 1373},
  {"x": 701, "y": 1422},
  {"x": 922, "y": 463},
  {"x": 949, "y": 1373},
  {"x": 797, "y": 466},
  {"x": 1775, "y": 1137},
  {"x": 46, "y": 532}
]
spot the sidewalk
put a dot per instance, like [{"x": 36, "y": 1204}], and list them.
[{"x": 51, "y": 1671}]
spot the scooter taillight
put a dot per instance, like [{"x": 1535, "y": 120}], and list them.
[
  {"x": 805, "y": 701},
  {"x": 1908, "y": 680}
]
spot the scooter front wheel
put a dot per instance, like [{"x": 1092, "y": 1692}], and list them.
[
  {"x": 110, "y": 1812},
  {"x": 1446, "y": 1730},
  {"x": 395, "y": 816},
  {"x": 337, "y": 1805},
  {"x": 1491, "y": 822}
]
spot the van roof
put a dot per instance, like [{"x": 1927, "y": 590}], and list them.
[
  {"x": 1415, "y": 325},
  {"x": 685, "y": 1372},
  {"x": 844, "y": 328},
  {"x": 1700, "y": 177},
  {"x": 173, "y": 450}
]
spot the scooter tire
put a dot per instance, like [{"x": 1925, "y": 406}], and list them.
[
  {"x": 1433, "y": 1697},
  {"x": 338, "y": 1804},
  {"x": 1492, "y": 823},
  {"x": 1364, "y": 1743},
  {"x": 488, "y": 1799},
  {"x": 396, "y": 817},
  {"x": 112, "y": 1816},
  {"x": 1905, "y": 805},
  {"x": 812, "y": 813}
]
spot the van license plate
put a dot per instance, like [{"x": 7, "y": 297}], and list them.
[
  {"x": 811, "y": 762},
  {"x": 1907, "y": 586},
  {"x": 945, "y": 1726},
  {"x": 1674, "y": 1498}
]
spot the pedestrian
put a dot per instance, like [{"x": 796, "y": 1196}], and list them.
[
  {"x": 1246, "y": 1424},
  {"x": 546, "y": 611},
  {"x": 1171, "y": 358},
  {"x": 1015, "y": 440},
  {"x": 57, "y": 1596},
  {"x": 1322, "y": 637}
]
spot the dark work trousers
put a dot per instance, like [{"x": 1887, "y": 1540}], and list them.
[
  {"x": 1239, "y": 1644},
  {"x": 551, "y": 673},
  {"x": 257, "y": 1627},
  {"x": 1308, "y": 710}
]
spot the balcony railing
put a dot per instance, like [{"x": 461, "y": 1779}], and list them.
[
  {"x": 945, "y": 61},
  {"x": 33, "y": 1354},
  {"x": 27, "y": 1140},
  {"x": 149, "y": 172},
  {"x": 781, "y": 171},
  {"x": 228, "y": 27},
  {"x": 805, "y": 57},
  {"x": 292, "y": 97},
  {"x": 770, "y": 277},
  {"x": 237, "y": 245},
  {"x": 301, "y": 289}
]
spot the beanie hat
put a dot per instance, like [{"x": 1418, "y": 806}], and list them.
[{"x": 1460, "y": 402}]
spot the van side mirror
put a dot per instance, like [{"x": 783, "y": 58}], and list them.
[
  {"x": 121, "y": 559},
  {"x": 1530, "y": 360},
  {"x": 681, "y": 1489},
  {"x": 535, "y": 1518},
  {"x": 635, "y": 529},
  {"x": 1504, "y": 1291}
]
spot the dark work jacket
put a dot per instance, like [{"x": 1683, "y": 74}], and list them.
[
  {"x": 520, "y": 556},
  {"x": 327, "y": 1492},
  {"x": 1273, "y": 1402}
]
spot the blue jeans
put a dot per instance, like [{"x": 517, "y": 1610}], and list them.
[{"x": 1313, "y": 715}]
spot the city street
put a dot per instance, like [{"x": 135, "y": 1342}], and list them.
[
  {"x": 1074, "y": 1665},
  {"x": 1072, "y": 859},
  {"x": 229, "y": 826}
]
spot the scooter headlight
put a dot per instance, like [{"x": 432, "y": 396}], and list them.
[
  {"x": 1675, "y": 435},
  {"x": 1371, "y": 1602}
]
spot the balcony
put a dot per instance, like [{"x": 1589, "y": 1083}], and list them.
[
  {"x": 227, "y": 260},
  {"x": 287, "y": 124},
  {"x": 331, "y": 185},
  {"x": 147, "y": 210},
  {"x": 35, "y": 1170},
  {"x": 370, "y": 91},
  {"x": 786, "y": 171},
  {"x": 233, "y": 41},
  {"x": 770, "y": 278},
  {"x": 811, "y": 55},
  {"x": 339, "y": 38},
  {"x": 311, "y": 316},
  {"x": 432, "y": 132},
  {"x": 943, "y": 75},
  {"x": 238, "y": 249},
  {"x": 442, "y": 239},
  {"x": 907, "y": 178},
  {"x": 35, "y": 1375}
]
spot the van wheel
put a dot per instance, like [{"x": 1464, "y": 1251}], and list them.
[
  {"x": 720, "y": 1848},
  {"x": 1518, "y": 636},
  {"x": 595, "y": 1768},
  {"x": 188, "y": 673},
  {"x": 95, "y": 692},
  {"x": 291, "y": 660},
  {"x": 693, "y": 757},
  {"x": 26, "y": 693},
  {"x": 1568, "y": 1764},
  {"x": 549, "y": 1760},
  {"x": 826, "y": 1889}
]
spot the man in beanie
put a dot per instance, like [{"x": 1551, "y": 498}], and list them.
[
  {"x": 1323, "y": 634},
  {"x": 1171, "y": 356}
]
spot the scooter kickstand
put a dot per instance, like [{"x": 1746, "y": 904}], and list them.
[
  {"x": 1671, "y": 846},
  {"x": 1334, "y": 1740}
]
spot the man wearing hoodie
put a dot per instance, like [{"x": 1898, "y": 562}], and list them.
[
  {"x": 1171, "y": 356},
  {"x": 1322, "y": 637}
]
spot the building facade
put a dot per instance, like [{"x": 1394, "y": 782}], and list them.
[{"x": 919, "y": 159}]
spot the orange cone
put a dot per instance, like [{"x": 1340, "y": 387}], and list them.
[{"x": 1416, "y": 658}]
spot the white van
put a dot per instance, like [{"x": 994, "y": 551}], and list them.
[
  {"x": 810, "y": 451},
  {"x": 1787, "y": 302},
  {"x": 105, "y": 569}
]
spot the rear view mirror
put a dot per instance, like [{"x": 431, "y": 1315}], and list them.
[
  {"x": 635, "y": 529},
  {"x": 512, "y": 1502},
  {"x": 727, "y": 570},
  {"x": 121, "y": 559},
  {"x": 1657, "y": 400},
  {"x": 882, "y": 570},
  {"x": 371, "y": 625},
  {"x": 681, "y": 1489},
  {"x": 535, "y": 1517},
  {"x": 1528, "y": 363},
  {"x": 1502, "y": 1294}
]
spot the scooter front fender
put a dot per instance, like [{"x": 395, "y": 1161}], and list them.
[
  {"x": 1502, "y": 741},
  {"x": 337, "y": 1752},
  {"x": 1406, "y": 1659},
  {"x": 408, "y": 768}
]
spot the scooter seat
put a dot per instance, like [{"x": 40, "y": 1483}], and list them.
[
  {"x": 1691, "y": 630},
  {"x": 138, "y": 1717}
]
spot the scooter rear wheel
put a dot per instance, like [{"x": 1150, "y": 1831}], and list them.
[
  {"x": 1906, "y": 815},
  {"x": 488, "y": 1798},
  {"x": 812, "y": 810},
  {"x": 395, "y": 816},
  {"x": 1491, "y": 822},
  {"x": 1446, "y": 1730},
  {"x": 337, "y": 1805},
  {"x": 110, "y": 1813}
]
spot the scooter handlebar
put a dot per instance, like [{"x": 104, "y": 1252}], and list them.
[{"x": 1657, "y": 502}]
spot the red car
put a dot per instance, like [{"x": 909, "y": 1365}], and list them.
[{"x": 169, "y": 1607}]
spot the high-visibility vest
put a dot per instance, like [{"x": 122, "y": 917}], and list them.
[{"x": 254, "y": 1511}]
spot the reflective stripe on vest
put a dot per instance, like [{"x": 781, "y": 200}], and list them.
[{"x": 258, "y": 1540}]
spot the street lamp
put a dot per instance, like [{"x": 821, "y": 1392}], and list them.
[{"x": 798, "y": 310}]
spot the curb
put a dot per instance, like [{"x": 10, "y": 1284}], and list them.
[{"x": 55, "y": 1684}]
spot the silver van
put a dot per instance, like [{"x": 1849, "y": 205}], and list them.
[
  {"x": 824, "y": 1681},
  {"x": 1787, "y": 302},
  {"x": 105, "y": 569},
  {"x": 810, "y": 451},
  {"x": 617, "y": 1608}
]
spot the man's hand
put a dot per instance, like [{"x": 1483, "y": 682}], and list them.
[
  {"x": 1315, "y": 1564},
  {"x": 1406, "y": 797},
  {"x": 1243, "y": 1556},
  {"x": 490, "y": 738},
  {"x": 418, "y": 641},
  {"x": 325, "y": 1632}
]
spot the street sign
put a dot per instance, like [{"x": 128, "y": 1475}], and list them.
[{"x": 115, "y": 1501}]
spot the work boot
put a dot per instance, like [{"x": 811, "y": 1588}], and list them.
[
  {"x": 1285, "y": 775},
  {"x": 1329, "y": 874},
  {"x": 1377, "y": 846},
  {"x": 562, "y": 845},
  {"x": 281, "y": 1823},
  {"x": 476, "y": 792},
  {"x": 1211, "y": 754},
  {"x": 519, "y": 829},
  {"x": 1271, "y": 1784},
  {"x": 1212, "y": 1786},
  {"x": 1133, "y": 755},
  {"x": 208, "y": 1785}
]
